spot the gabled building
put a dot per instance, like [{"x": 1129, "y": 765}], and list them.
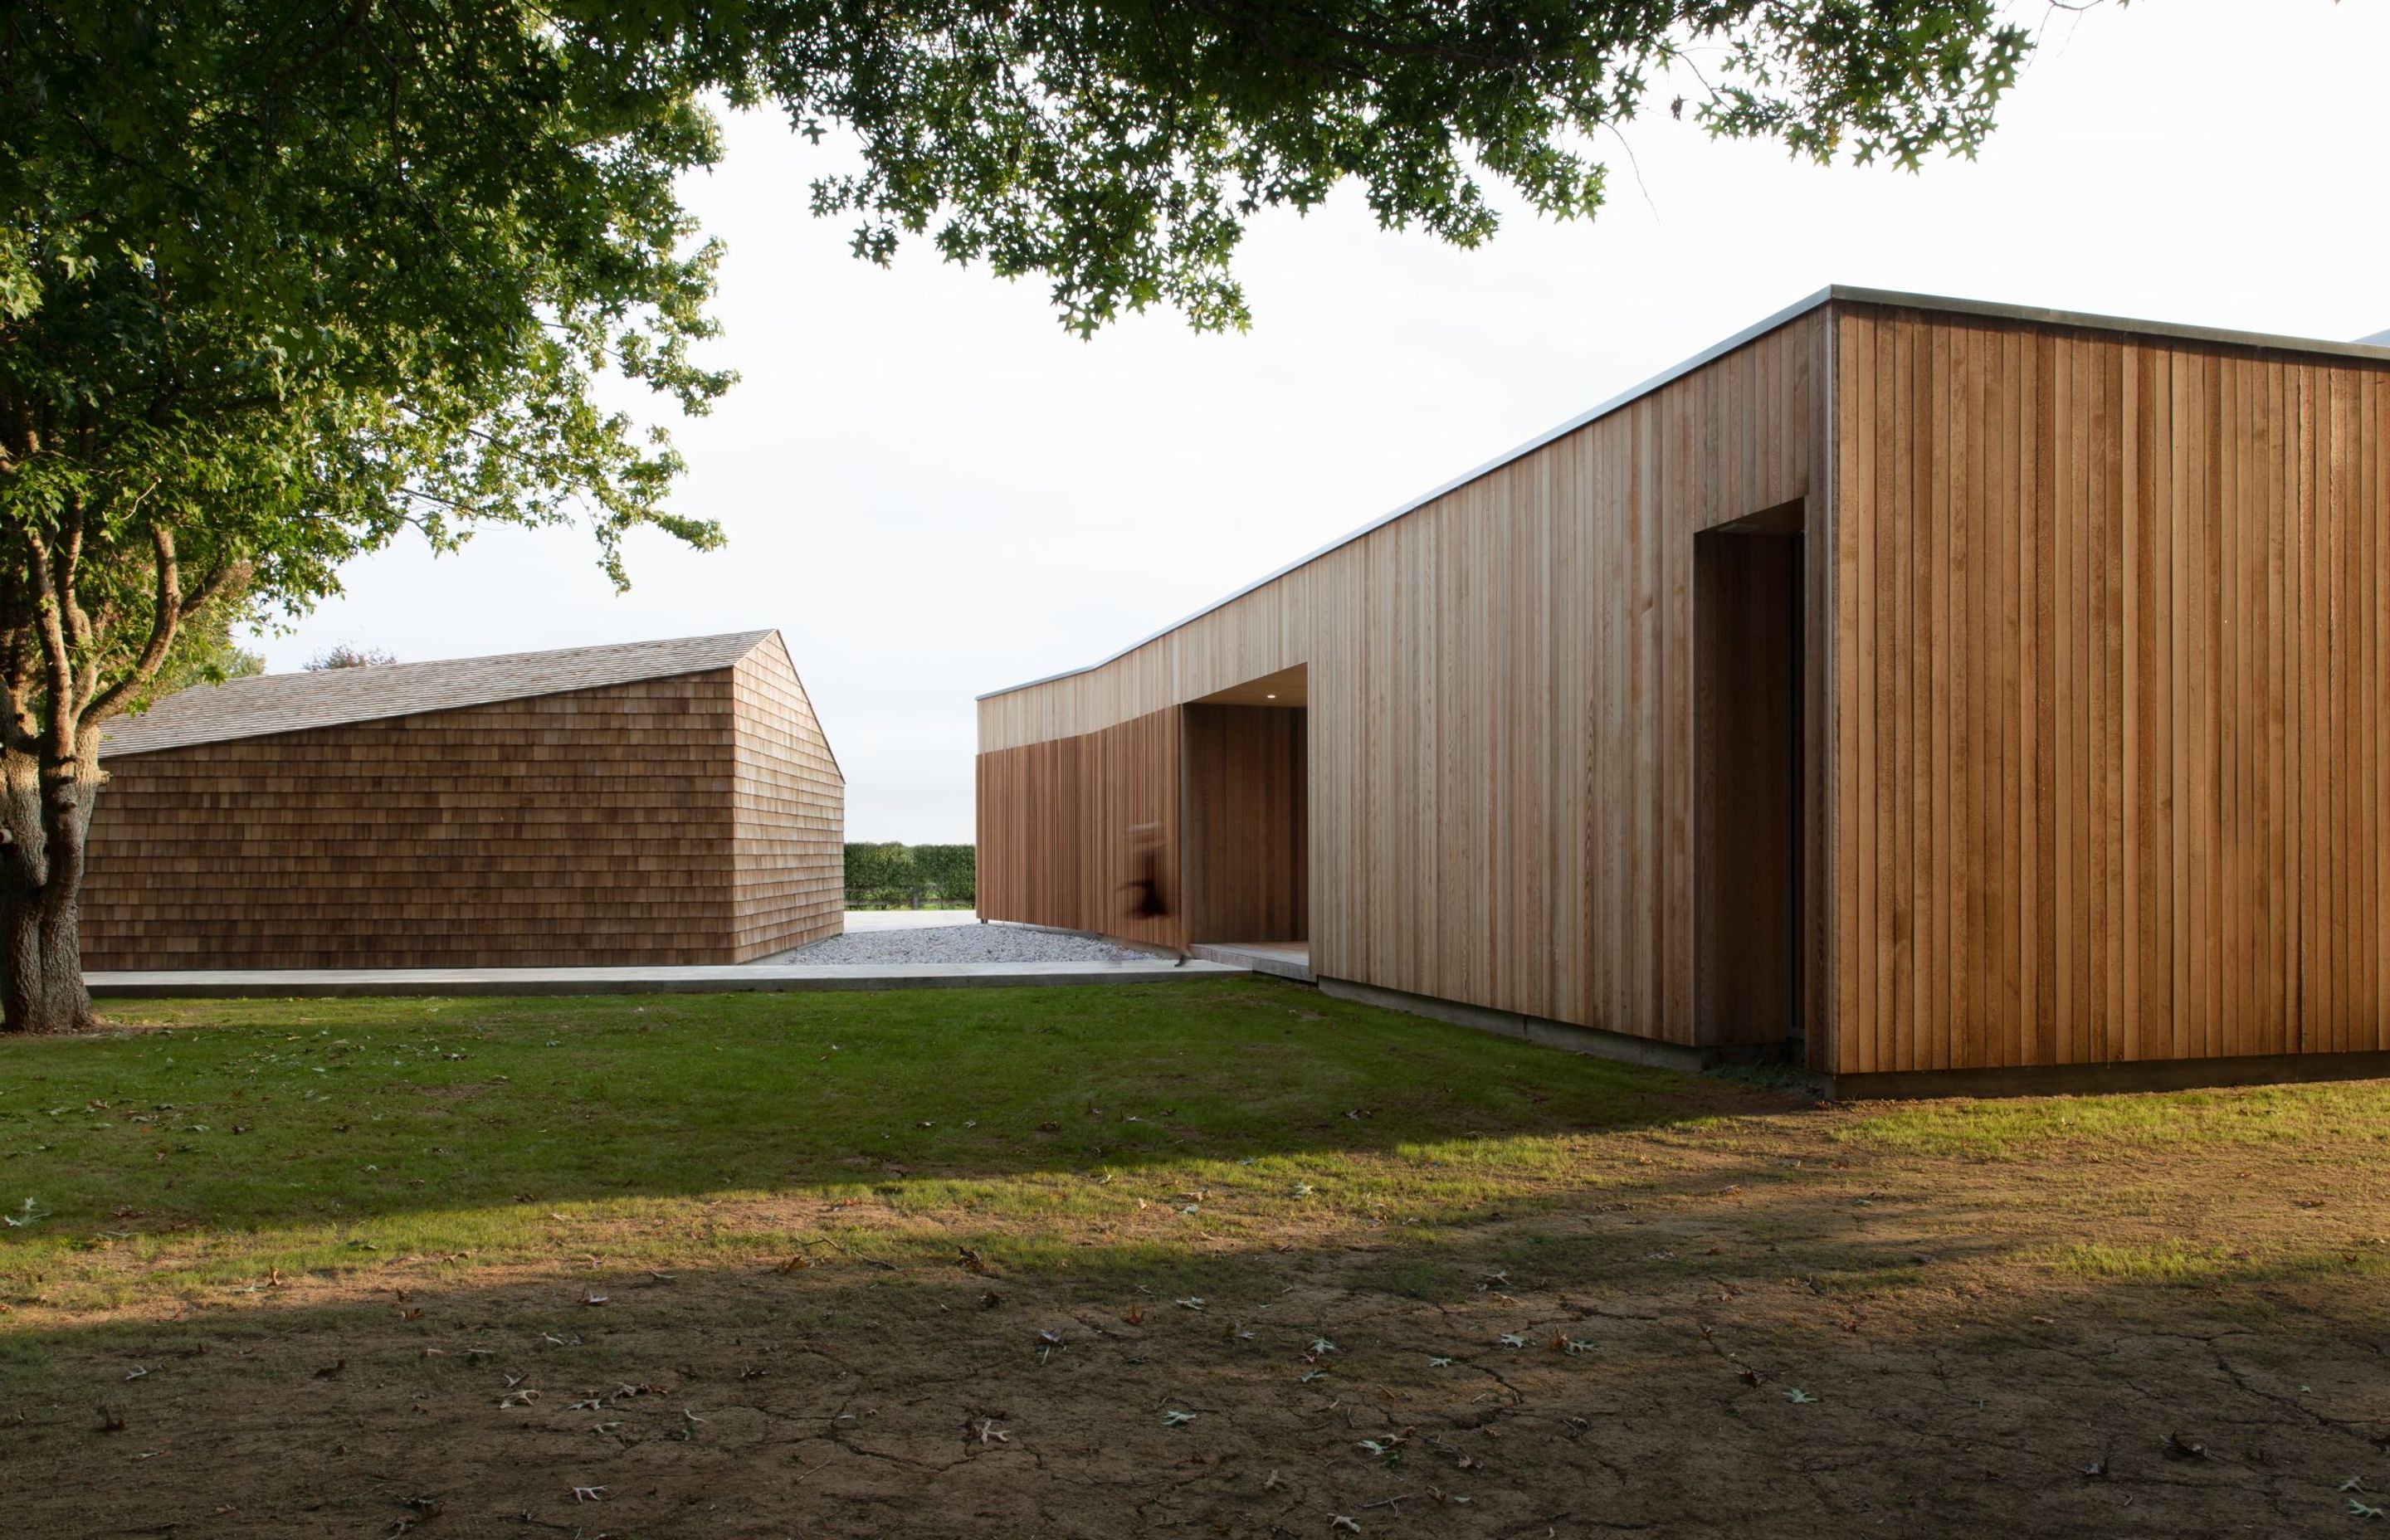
[{"x": 671, "y": 802}]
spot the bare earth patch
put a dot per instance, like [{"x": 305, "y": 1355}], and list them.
[{"x": 1783, "y": 1326}]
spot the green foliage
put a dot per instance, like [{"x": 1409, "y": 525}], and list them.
[
  {"x": 279, "y": 279},
  {"x": 282, "y": 278},
  {"x": 885, "y": 876},
  {"x": 872, "y": 867},
  {"x": 949, "y": 871},
  {"x": 1118, "y": 150},
  {"x": 205, "y": 653},
  {"x": 286, "y": 278}
]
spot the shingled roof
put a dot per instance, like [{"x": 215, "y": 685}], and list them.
[{"x": 296, "y": 702}]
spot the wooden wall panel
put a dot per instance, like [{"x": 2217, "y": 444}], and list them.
[
  {"x": 582, "y": 828},
  {"x": 1065, "y": 827},
  {"x": 1501, "y": 704},
  {"x": 2113, "y": 689},
  {"x": 1247, "y": 872},
  {"x": 2096, "y": 635},
  {"x": 1030, "y": 816},
  {"x": 789, "y": 811}
]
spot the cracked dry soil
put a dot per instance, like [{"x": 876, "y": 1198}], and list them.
[{"x": 1816, "y": 1338}]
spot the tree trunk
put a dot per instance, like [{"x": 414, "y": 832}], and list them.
[
  {"x": 43, "y": 991},
  {"x": 45, "y": 813}
]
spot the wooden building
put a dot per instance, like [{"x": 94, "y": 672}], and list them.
[
  {"x": 668, "y": 802},
  {"x": 1904, "y": 685}
]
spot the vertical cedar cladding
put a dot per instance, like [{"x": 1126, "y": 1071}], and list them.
[
  {"x": 1246, "y": 801},
  {"x": 2114, "y": 644},
  {"x": 1499, "y": 701},
  {"x": 1069, "y": 829},
  {"x": 2096, "y": 642}
]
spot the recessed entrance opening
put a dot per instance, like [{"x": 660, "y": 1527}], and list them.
[
  {"x": 1747, "y": 776},
  {"x": 1247, "y": 785}
]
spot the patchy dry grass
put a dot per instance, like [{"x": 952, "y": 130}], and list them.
[
  {"x": 2029, "y": 1128},
  {"x": 942, "y": 1263},
  {"x": 206, "y": 1146}
]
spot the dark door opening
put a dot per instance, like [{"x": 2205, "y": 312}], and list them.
[
  {"x": 1247, "y": 786},
  {"x": 1747, "y": 756}
]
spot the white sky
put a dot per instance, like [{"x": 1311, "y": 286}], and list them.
[{"x": 934, "y": 492}]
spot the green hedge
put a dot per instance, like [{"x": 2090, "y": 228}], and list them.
[{"x": 911, "y": 877}]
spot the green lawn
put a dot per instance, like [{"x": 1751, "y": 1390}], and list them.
[
  {"x": 1227, "y": 1256},
  {"x": 218, "y": 1141}
]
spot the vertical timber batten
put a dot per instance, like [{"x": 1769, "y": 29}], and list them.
[
  {"x": 2177, "y": 616},
  {"x": 1481, "y": 828},
  {"x": 2094, "y": 763}
]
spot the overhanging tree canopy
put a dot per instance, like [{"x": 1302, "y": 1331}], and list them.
[{"x": 280, "y": 278}]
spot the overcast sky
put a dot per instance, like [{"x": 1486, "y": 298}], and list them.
[{"x": 933, "y": 492}]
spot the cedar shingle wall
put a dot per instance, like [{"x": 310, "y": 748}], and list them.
[
  {"x": 588, "y": 827},
  {"x": 788, "y": 802}
]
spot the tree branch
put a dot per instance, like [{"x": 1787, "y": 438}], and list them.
[
  {"x": 20, "y": 732},
  {"x": 56, "y": 657},
  {"x": 165, "y": 619}
]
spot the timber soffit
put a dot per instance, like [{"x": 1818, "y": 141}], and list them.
[
  {"x": 269, "y": 703},
  {"x": 2372, "y": 349}
]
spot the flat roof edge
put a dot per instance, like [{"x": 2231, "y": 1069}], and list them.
[{"x": 1830, "y": 294}]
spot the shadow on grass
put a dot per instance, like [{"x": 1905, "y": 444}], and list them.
[
  {"x": 250, "y": 1114},
  {"x": 1639, "y": 1356}
]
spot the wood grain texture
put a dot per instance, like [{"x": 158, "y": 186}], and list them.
[
  {"x": 2134, "y": 588},
  {"x": 1500, "y": 694},
  {"x": 631, "y": 824},
  {"x": 1071, "y": 830},
  {"x": 1248, "y": 824},
  {"x": 2095, "y": 757}
]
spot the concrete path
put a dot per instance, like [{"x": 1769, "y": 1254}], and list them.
[
  {"x": 1287, "y": 959},
  {"x": 308, "y": 984}
]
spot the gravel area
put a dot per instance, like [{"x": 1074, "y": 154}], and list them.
[{"x": 994, "y": 943}]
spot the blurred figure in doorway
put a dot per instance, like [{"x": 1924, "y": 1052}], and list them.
[{"x": 1147, "y": 899}]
